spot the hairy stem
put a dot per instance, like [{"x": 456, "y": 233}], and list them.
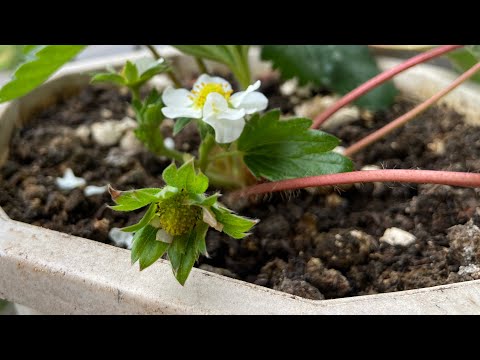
[
  {"x": 201, "y": 65},
  {"x": 170, "y": 73},
  {"x": 380, "y": 79},
  {"x": 402, "y": 120},
  {"x": 401, "y": 176},
  {"x": 204, "y": 150}
]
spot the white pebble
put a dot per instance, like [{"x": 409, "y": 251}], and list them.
[
  {"x": 92, "y": 190},
  {"x": 106, "y": 113},
  {"x": 339, "y": 150},
  {"x": 289, "y": 87},
  {"x": 83, "y": 133},
  {"x": 130, "y": 144},
  {"x": 395, "y": 236},
  {"x": 120, "y": 238},
  {"x": 109, "y": 132},
  {"x": 169, "y": 143},
  {"x": 471, "y": 269},
  {"x": 69, "y": 181}
]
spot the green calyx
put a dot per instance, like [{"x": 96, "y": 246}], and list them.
[{"x": 176, "y": 217}]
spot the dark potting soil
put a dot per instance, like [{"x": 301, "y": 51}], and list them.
[{"x": 315, "y": 244}]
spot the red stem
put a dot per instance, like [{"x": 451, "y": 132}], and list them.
[
  {"x": 380, "y": 79},
  {"x": 402, "y": 120},
  {"x": 402, "y": 176}
]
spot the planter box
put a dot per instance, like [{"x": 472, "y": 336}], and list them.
[{"x": 56, "y": 273}]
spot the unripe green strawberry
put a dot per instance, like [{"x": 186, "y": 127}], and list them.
[{"x": 177, "y": 218}]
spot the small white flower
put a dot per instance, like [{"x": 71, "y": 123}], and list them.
[{"x": 212, "y": 101}]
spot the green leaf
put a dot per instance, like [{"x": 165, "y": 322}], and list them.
[
  {"x": 130, "y": 72},
  {"x": 133, "y": 199},
  {"x": 464, "y": 59},
  {"x": 108, "y": 77},
  {"x": 42, "y": 61},
  {"x": 180, "y": 123},
  {"x": 340, "y": 68},
  {"x": 233, "y": 225},
  {"x": 185, "y": 178},
  {"x": 211, "y": 200},
  {"x": 284, "y": 149},
  {"x": 185, "y": 250},
  {"x": 146, "y": 248},
  {"x": 149, "y": 215},
  {"x": 234, "y": 56}
]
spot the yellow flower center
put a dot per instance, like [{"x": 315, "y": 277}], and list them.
[{"x": 200, "y": 93}]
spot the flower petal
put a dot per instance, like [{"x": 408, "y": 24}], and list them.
[
  {"x": 226, "y": 131},
  {"x": 176, "y": 97},
  {"x": 217, "y": 107},
  {"x": 238, "y": 97},
  {"x": 253, "y": 102},
  {"x": 176, "y": 112},
  {"x": 204, "y": 78}
]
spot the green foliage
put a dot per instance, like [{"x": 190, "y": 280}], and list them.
[
  {"x": 10, "y": 56},
  {"x": 134, "y": 74},
  {"x": 145, "y": 248},
  {"x": 177, "y": 219},
  {"x": 180, "y": 123},
  {"x": 463, "y": 59},
  {"x": 234, "y": 56},
  {"x": 41, "y": 62},
  {"x": 134, "y": 199},
  {"x": 340, "y": 68},
  {"x": 277, "y": 150},
  {"x": 149, "y": 117}
]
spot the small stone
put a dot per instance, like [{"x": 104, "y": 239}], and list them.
[
  {"x": 398, "y": 237},
  {"x": 130, "y": 144},
  {"x": 169, "y": 143},
  {"x": 83, "y": 133},
  {"x": 69, "y": 181},
  {"x": 92, "y": 190},
  {"x": 118, "y": 158},
  {"x": 437, "y": 146},
  {"x": 120, "y": 238},
  {"x": 471, "y": 270},
  {"x": 289, "y": 87},
  {"x": 339, "y": 150},
  {"x": 464, "y": 243},
  {"x": 106, "y": 113},
  {"x": 370, "y": 168},
  {"x": 109, "y": 133}
]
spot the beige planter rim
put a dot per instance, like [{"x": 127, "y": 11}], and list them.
[{"x": 56, "y": 273}]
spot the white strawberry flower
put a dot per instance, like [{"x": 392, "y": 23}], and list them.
[{"x": 212, "y": 101}]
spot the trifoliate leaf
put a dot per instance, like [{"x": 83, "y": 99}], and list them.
[
  {"x": 284, "y": 149},
  {"x": 185, "y": 178}
]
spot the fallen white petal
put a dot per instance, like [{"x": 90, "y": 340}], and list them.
[
  {"x": 120, "y": 238},
  {"x": 69, "y": 181},
  {"x": 91, "y": 190}
]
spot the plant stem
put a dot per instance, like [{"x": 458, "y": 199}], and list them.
[
  {"x": 226, "y": 154},
  {"x": 380, "y": 79},
  {"x": 221, "y": 181},
  {"x": 205, "y": 147},
  {"x": 403, "y": 47},
  {"x": 172, "y": 154},
  {"x": 201, "y": 65},
  {"x": 402, "y": 120},
  {"x": 401, "y": 176},
  {"x": 170, "y": 73}
]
